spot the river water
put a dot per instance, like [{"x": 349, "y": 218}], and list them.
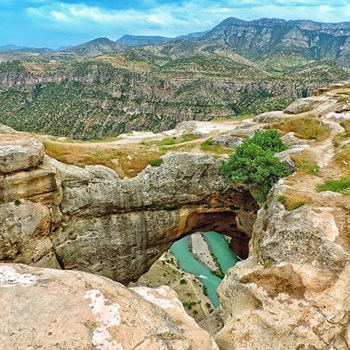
[{"x": 219, "y": 248}]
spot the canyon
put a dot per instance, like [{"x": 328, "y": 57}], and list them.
[
  {"x": 234, "y": 69},
  {"x": 289, "y": 291}
]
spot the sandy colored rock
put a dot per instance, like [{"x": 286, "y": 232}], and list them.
[
  {"x": 271, "y": 117},
  {"x": 19, "y": 153},
  {"x": 76, "y": 310},
  {"x": 305, "y": 105},
  {"x": 166, "y": 298},
  {"x": 24, "y": 232},
  {"x": 291, "y": 140},
  {"x": 7, "y": 130}
]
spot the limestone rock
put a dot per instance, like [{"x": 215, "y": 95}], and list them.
[
  {"x": 287, "y": 162},
  {"x": 38, "y": 184},
  {"x": 19, "y": 153},
  {"x": 166, "y": 298},
  {"x": 292, "y": 292},
  {"x": 338, "y": 117},
  {"x": 24, "y": 232},
  {"x": 300, "y": 236},
  {"x": 119, "y": 227},
  {"x": 291, "y": 140},
  {"x": 281, "y": 307},
  {"x": 7, "y": 130},
  {"x": 75, "y": 310},
  {"x": 304, "y": 105},
  {"x": 271, "y": 117},
  {"x": 228, "y": 140}
]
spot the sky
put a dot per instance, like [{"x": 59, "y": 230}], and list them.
[{"x": 55, "y": 23}]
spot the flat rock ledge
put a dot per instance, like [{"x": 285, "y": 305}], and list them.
[{"x": 54, "y": 310}]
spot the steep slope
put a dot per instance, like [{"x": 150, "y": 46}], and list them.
[
  {"x": 292, "y": 291},
  {"x": 101, "y": 88},
  {"x": 285, "y": 41}
]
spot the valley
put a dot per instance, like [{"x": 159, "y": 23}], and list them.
[
  {"x": 102, "y": 89},
  {"x": 134, "y": 212}
]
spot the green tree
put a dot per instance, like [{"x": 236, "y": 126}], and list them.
[{"x": 254, "y": 164}]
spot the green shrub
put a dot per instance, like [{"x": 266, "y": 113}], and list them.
[
  {"x": 205, "y": 290},
  {"x": 156, "y": 162},
  {"x": 254, "y": 165}
]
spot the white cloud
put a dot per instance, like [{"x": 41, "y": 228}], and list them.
[{"x": 172, "y": 19}]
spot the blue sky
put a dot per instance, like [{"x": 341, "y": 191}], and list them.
[{"x": 53, "y": 23}]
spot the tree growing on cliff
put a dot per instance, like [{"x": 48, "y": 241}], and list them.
[{"x": 254, "y": 164}]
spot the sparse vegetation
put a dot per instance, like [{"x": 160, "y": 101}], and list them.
[
  {"x": 305, "y": 164},
  {"x": 94, "y": 98},
  {"x": 304, "y": 127},
  {"x": 124, "y": 163},
  {"x": 342, "y": 159},
  {"x": 341, "y": 186},
  {"x": 346, "y": 125},
  {"x": 292, "y": 201},
  {"x": 208, "y": 146}
]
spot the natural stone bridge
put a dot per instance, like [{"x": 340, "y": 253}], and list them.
[{"x": 62, "y": 216}]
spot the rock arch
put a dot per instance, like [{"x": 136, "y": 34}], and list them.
[{"x": 55, "y": 215}]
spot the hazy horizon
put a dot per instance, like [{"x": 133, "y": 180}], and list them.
[{"x": 44, "y": 23}]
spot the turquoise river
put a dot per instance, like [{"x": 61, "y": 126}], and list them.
[{"x": 219, "y": 248}]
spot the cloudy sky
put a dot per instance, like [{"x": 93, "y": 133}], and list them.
[{"x": 54, "y": 23}]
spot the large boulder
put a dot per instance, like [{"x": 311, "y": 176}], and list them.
[
  {"x": 53, "y": 310},
  {"x": 305, "y": 105},
  {"x": 228, "y": 140},
  {"x": 290, "y": 140},
  {"x": 19, "y": 153}
]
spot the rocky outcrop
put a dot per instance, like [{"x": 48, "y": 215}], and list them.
[
  {"x": 267, "y": 37},
  {"x": 80, "y": 311},
  {"x": 292, "y": 292},
  {"x": 18, "y": 153},
  {"x": 88, "y": 219},
  {"x": 118, "y": 228}
]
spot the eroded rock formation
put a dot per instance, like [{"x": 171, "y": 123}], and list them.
[
  {"x": 292, "y": 291},
  {"x": 81, "y": 311},
  {"x": 88, "y": 219}
]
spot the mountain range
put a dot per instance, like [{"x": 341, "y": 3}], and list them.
[{"x": 104, "y": 88}]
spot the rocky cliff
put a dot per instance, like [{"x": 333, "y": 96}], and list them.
[
  {"x": 291, "y": 291},
  {"x": 276, "y": 38},
  {"x": 89, "y": 219}
]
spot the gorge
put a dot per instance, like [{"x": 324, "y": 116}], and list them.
[{"x": 290, "y": 292}]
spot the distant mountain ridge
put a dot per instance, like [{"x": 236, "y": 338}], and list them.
[
  {"x": 257, "y": 40},
  {"x": 263, "y": 38},
  {"x": 103, "y": 88},
  {"x": 140, "y": 40}
]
